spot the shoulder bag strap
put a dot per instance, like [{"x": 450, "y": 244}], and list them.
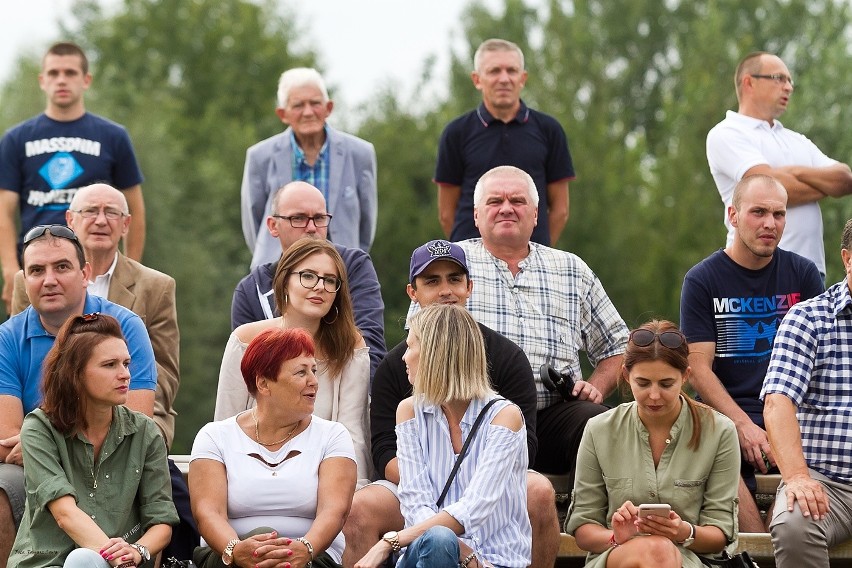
[{"x": 465, "y": 446}]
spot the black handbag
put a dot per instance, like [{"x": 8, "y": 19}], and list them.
[{"x": 741, "y": 560}]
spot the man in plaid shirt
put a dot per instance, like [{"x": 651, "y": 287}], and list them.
[
  {"x": 807, "y": 397},
  {"x": 548, "y": 302}
]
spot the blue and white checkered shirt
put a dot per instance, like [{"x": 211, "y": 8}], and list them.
[
  {"x": 811, "y": 364},
  {"x": 553, "y": 309},
  {"x": 316, "y": 175}
]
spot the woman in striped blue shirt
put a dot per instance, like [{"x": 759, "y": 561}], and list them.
[{"x": 483, "y": 519}]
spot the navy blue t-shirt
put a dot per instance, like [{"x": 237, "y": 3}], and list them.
[
  {"x": 45, "y": 161},
  {"x": 476, "y": 142},
  {"x": 740, "y": 309}
]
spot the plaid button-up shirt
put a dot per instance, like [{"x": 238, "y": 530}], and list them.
[
  {"x": 553, "y": 309},
  {"x": 811, "y": 364}
]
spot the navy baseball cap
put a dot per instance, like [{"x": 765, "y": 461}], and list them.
[{"x": 425, "y": 255}]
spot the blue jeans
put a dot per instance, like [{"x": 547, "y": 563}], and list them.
[
  {"x": 85, "y": 558},
  {"x": 436, "y": 548}
]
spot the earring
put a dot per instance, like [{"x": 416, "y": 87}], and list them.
[{"x": 336, "y": 313}]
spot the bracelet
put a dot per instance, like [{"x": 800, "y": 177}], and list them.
[
  {"x": 310, "y": 548},
  {"x": 467, "y": 560},
  {"x": 612, "y": 543},
  {"x": 127, "y": 564}
]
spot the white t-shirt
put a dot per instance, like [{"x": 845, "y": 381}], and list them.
[
  {"x": 741, "y": 142},
  {"x": 283, "y": 497}
]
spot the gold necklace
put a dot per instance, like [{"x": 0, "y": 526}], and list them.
[{"x": 257, "y": 431}]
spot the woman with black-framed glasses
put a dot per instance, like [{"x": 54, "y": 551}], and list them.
[
  {"x": 662, "y": 448},
  {"x": 98, "y": 484},
  {"x": 311, "y": 293}
]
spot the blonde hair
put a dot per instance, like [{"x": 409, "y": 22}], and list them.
[{"x": 452, "y": 364}]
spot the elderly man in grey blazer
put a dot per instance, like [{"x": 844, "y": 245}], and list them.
[{"x": 341, "y": 166}]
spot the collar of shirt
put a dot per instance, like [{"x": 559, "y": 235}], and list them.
[
  {"x": 100, "y": 285},
  {"x": 842, "y": 296},
  {"x": 754, "y": 122},
  {"x": 485, "y": 117},
  {"x": 121, "y": 427},
  {"x": 677, "y": 427}
]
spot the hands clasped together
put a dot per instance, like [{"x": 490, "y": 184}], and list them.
[{"x": 268, "y": 550}]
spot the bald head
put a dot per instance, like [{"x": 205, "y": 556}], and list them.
[
  {"x": 99, "y": 191},
  {"x": 98, "y": 214},
  {"x": 297, "y": 199}
]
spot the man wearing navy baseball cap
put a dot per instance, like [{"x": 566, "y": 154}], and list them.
[{"x": 439, "y": 274}]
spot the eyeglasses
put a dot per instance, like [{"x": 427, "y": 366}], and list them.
[
  {"x": 92, "y": 212},
  {"x": 645, "y": 337},
  {"x": 309, "y": 280},
  {"x": 60, "y": 231},
  {"x": 779, "y": 78},
  {"x": 301, "y": 221}
]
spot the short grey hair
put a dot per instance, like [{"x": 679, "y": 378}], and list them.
[
  {"x": 495, "y": 44},
  {"x": 299, "y": 77},
  {"x": 505, "y": 170}
]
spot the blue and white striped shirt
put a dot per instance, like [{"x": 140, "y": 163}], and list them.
[
  {"x": 488, "y": 496},
  {"x": 811, "y": 364}
]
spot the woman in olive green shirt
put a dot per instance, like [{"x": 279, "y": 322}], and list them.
[
  {"x": 662, "y": 448},
  {"x": 98, "y": 486}
]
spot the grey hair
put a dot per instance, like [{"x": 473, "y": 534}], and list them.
[
  {"x": 503, "y": 170},
  {"x": 299, "y": 77},
  {"x": 495, "y": 44}
]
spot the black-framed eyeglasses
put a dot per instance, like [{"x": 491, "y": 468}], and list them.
[
  {"x": 110, "y": 213},
  {"x": 301, "y": 221},
  {"x": 645, "y": 337},
  {"x": 60, "y": 231},
  {"x": 779, "y": 78},
  {"x": 309, "y": 280}
]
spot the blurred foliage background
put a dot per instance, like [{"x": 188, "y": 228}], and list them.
[{"x": 636, "y": 85}]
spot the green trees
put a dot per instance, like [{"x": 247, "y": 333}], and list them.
[{"x": 636, "y": 85}]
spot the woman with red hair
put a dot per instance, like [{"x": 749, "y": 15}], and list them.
[{"x": 274, "y": 482}]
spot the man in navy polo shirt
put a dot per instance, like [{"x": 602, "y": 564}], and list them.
[{"x": 502, "y": 131}]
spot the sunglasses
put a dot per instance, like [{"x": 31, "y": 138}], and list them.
[
  {"x": 645, "y": 337},
  {"x": 56, "y": 230}
]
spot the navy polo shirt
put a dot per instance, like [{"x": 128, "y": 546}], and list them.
[{"x": 476, "y": 142}]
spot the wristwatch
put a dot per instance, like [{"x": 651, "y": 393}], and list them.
[
  {"x": 392, "y": 538},
  {"x": 228, "y": 553},
  {"x": 143, "y": 552},
  {"x": 691, "y": 538}
]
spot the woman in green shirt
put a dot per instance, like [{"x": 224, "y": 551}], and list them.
[
  {"x": 661, "y": 448},
  {"x": 98, "y": 486}
]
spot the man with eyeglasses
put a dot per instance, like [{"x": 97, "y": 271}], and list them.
[
  {"x": 45, "y": 159},
  {"x": 298, "y": 210},
  {"x": 341, "y": 166},
  {"x": 56, "y": 276},
  {"x": 753, "y": 141},
  {"x": 807, "y": 395},
  {"x": 730, "y": 306}
]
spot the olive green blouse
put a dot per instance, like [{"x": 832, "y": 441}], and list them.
[
  {"x": 614, "y": 465},
  {"x": 125, "y": 493}
]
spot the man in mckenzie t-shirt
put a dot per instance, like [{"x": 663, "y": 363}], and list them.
[{"x": 731, "y": 304}]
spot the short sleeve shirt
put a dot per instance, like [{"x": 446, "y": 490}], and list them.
[
  {"x": 24, "y": 343},
  {"x": 739, "y": 310},
  {"x": 46, "y": 161},
  {"x": 741, "y": 142},
  {"x": 477, "y": 142}
]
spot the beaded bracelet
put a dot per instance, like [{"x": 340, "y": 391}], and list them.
[{"x": 467, "y": 560}]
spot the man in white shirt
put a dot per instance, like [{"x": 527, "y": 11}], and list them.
[{"x": 752, "y": 141}]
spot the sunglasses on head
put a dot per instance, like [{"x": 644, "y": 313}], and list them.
[
  {"x": 645, "y": 337},
  {"x": 60, "y": 231}
]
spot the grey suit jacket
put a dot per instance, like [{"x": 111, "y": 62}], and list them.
[
  {"x": 352, "y": 199},
  {"x": 150, "y": 295}
]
